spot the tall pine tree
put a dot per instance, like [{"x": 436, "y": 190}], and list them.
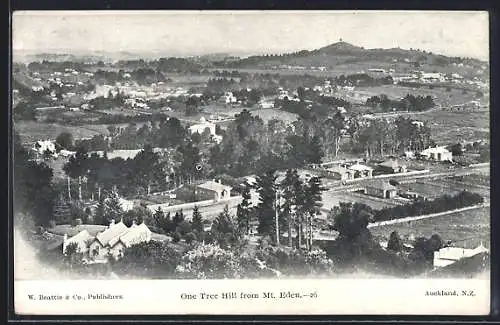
[
  {"x": 243, "y": 212},
  {"x": 196, "y": 221},
  {"x": 312, "y": 205},
  {"x": 266, "y": 208}
]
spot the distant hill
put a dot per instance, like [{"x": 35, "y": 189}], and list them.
[{"x": 343, "y": 53}]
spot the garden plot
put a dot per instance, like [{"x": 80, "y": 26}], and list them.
[
  {"x": 430, "y": 190},
  {"x": 465, "y": 229}
]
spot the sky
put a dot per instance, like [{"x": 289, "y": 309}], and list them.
[{"x": 459, "y": 33}]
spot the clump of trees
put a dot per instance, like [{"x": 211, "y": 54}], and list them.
[
  {"x": 408, "y": 103},
  {"x": 423, "y": 206},
  {"x": 33, "y": 191}
]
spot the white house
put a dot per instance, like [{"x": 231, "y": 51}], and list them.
[
  {"x": 134, "y": 235},
  {"x": 99, "y": 248},
  {"x": 449, "y": 255},
  {"x": 437, "y": 153},
  {"x": 81, "y": 240},
  {"x": 41, "y": 146},
  {"x": 202, "y": 126},
  {"x": 219, "y": 190},
  {"x": 361, "y": 170},
  {"x": 228, "y": 98}
]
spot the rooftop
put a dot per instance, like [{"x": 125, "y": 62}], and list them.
[
  {"x": 214, "y": 186},
  {"x": 359, "y": 167},
  {"x": 380, "y": 184},
  {"x": 112, "y": 232}
]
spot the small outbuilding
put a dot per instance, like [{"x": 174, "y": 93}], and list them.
[
  {"x": 392, "y": 166},
  {"x": 218, "y": 190},
  {"x": 381, "y": 189}
]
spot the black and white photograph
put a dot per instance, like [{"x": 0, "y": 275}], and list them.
[{"x": 250, "y": 145}]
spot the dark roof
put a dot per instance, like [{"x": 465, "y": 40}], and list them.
[{"x": 380, "y": 184}]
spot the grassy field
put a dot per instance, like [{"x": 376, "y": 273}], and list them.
[
  {"x": 466, "y": 229},
  {"x": 268, "y": 114},
  {"x": 449, "y": 127},
  {"x": 453, "y": 97},
  {"x": 429, "y": 190},
  {"x": 331, "y": 199},
  {"x": 31, "y": 131}
]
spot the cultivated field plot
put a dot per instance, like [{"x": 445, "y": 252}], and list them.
[
  {"x": 331, "y": 199},
  {"x": 268, "y": 114},
  {"x": 473, "y": 179},
  {"x": 465, "y": 229},
  {"x": 453, "y": 97},
  {"x": 446, "y": 127},
  {"x": 431, "y": 190},
  {"x": 31, "y": 131},
  {"x": 188, "y": 80}
]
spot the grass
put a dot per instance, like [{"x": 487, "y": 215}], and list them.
[
  {"x": 268, "y": 114},
  {"x": 443, "y": 97},
  {"x": 429, "y": 190},
  {"x": 450, "y": 127},
  {"x": 31, "y": 131},
  {"x": 466, "y": 229},
  {"x": 331, "y": 199}
]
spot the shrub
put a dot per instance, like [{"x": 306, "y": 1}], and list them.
[
  {"x": 176, "y": 237},
  {"x": 189, "y": 237},
  {"x": 151, "y": 258},
  {"x": 209, "y": 261}
]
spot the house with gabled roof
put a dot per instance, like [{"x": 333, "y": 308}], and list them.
[
  {"x": 218, "y": 190},
  {"x": 81, "y": 240},
  {"x": 99, "y": 247},
  {"x": 136, "y": 234},
  {"x": 392, "y": 166},
  {"x": 381, "y": 189}
]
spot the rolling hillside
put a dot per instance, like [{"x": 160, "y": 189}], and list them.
[{"x": 343, "y": 53}]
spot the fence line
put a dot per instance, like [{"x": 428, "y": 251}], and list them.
[{"x": 427, "y": 216}]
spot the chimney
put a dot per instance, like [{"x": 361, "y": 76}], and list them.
[
  {"x": 112, "y": 222},
  {"x": 213, "y": 180},
  {"x": 219, "y": 181},
  {"x": 134, "y": 224},
  {"x": 65, "y": 237}
]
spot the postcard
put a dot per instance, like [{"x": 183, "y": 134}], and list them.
[{"x": 251, "y": 162}]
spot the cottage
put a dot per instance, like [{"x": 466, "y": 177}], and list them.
[
  {"x": 134, "y": 235},
  {"x": 99, "y": 248},
  {"x": 81, "y": 240},
  {"x": 202, "y": 126},
  {"x": 381, "y": 189},
  {"x": 361, "y": 171},
  {"x": 437, "y": 153},
  {"x": 341, "y": 173},
  {"x": 392, "y": 166},
  {"x": 449, "y": 255},
  {"x": 217, "y": 189},
  {"x": 228, "y": 98}
]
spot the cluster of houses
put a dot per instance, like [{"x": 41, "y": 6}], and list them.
[{"x": 112, "y": 241}]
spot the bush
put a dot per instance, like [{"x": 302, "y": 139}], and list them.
[
  {"x": 189, "y": 237},
  {"x": 209, "y": 261},
  {"x": 151, "y": 258},
  {"x": 176, "y": 237},
  {"x": 421, "y": 206}
]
